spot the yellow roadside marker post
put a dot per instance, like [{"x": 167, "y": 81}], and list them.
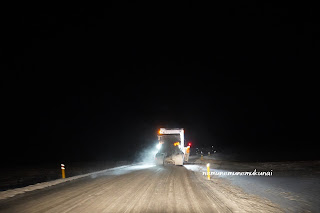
[
  {"x": 63, "y": 171},
  {"x": 208, "y": 171},
  {"x": 201, "y": 157}
]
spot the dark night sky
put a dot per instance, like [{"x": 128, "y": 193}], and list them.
[{"x": 94, "y": 82}]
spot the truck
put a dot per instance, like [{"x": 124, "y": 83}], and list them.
[{"x": 171, "y": 147}]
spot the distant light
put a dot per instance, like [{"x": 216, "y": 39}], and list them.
[{"x": 189, "y": 144}]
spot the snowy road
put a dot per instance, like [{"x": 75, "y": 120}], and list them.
[
  {"x": 140, "y": 188},
  {"x": 294, "y": 186}
]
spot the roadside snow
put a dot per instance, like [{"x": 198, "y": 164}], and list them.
[
  {"x": 294, "y": 186},
  {"x": 13, "y": 192},
  {"x": 227, "y": 194}
]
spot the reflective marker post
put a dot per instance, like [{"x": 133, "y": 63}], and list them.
[
  {"x": 63, "y": 171},
  {"x": 201, "y": 157},
  {"x": 208, "y": 171}
]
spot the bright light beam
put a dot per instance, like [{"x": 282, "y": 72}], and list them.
[{"x": 159, "y": 146}]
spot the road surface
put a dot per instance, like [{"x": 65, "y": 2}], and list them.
[{"x": 140, "y": 188}]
